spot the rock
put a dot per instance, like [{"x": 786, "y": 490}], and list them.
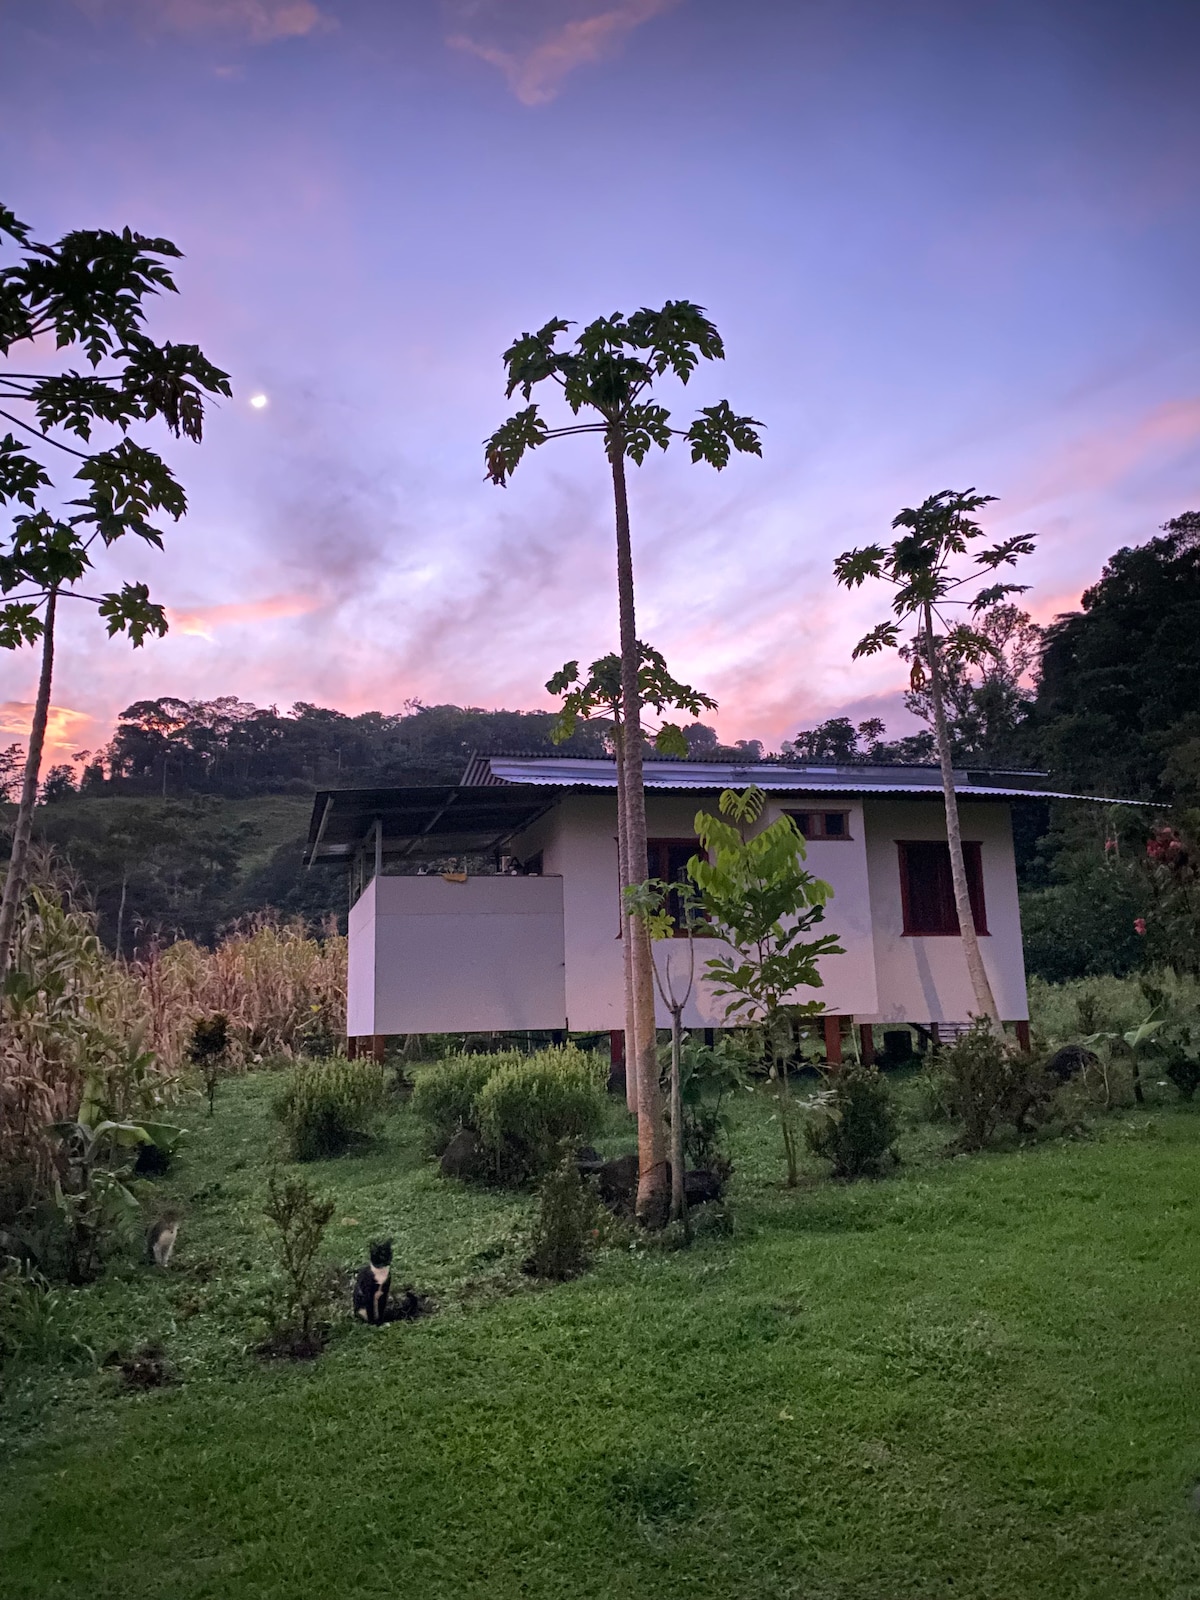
[
  {"x": 618, "y": 1182},
  {"x": 464, "y": 1157},
  {"x": 1070, "y": 1061},
  {"x": 701, "y": 1186}
]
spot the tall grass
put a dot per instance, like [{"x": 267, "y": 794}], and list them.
[
  {"x": 1065, "y": 1011},
  {"x": 70, "y": 1014}
]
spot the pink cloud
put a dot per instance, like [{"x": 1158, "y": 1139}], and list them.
[
  {"x": 1096, "y": 460},
  {"x": 66, "y": 730},
  {"x": 536, "y": 74},
  {"x": 261, "y": 21},
  {"x": 204, "y": 621}
]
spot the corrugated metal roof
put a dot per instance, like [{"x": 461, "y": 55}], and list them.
[{"x": 574, "y": 772}]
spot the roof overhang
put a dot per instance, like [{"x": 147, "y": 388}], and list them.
[{"x": 422, "y": 821}]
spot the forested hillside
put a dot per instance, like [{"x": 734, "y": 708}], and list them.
[{"x": 195, "y": 812}]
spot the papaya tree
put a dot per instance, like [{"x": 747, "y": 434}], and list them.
[
  {"x": 83, "y": 297},
  {"x": 920, "y": 566},
  {"x": 606, "y": 378},
  {"x": 600, "y": 692}
]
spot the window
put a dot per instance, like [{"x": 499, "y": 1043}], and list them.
[
  {"x": 927, "y": 891},
  {"x": 668, "y": 859},
  {"x": 822, "y": 824}
]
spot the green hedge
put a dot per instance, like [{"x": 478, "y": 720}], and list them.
[
  {"x": 521, "y": 1108},
  {"x": 328, "y": 1104}
]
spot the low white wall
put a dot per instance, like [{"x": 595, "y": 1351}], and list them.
[
  {"x": 428, "y": 956},
  {"x": 924, "y": 979}
]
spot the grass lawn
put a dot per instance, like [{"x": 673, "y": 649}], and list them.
[{"x": 977, "y": 1378}]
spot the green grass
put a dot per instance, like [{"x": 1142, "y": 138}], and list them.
[{"x": 977, "y": 1378}]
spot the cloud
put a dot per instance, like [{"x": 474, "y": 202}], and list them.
[
  {"x": 1099, "y": 459},
  {"x": 535, "y": 72},
  {"x": 261, "y": 21},
  {"x": 65, "y": 729},
  {"x": 203, "y": 621}
]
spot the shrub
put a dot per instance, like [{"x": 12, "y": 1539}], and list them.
[
  {"x": 300, "y": 1217},
  {"x": 35, "y": 1320},
  {"x": 532, "y": 1105},
  {"x": 985, "y": 1082},
  {"x": 329, "y": 1104},
  {"x": 855, "y": 1127},
  {"x": 444, "y": 1095},
  {"x": 1183, "y": 1068},
  {"x": 567, "y": 1223}
]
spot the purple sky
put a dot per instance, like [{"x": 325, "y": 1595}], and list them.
[{"x": 948, "y": 242}]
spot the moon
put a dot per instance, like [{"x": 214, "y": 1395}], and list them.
[{"x": 258, "y": 401}]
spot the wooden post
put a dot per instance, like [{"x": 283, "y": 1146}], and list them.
[
  {"x": 866, "y": 1037},
  {"x": 1023, "y": 1035},
  {"x": 935, "y": 1034},
  {"x": 833, "y": 1041},
  {"x": 378, "y": 1047}
]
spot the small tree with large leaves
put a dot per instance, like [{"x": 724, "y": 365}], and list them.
[
  {"x": 86, "y": 295},
  {"x": 606, "y": 379},
  {"x": 761, "y": 899},
  {"x": 600, "y": 693},
  {"x": 920, "y": 566}
]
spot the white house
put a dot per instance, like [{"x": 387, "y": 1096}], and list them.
[{"x": 537, "y": 945}]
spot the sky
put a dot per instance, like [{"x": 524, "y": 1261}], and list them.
[{"x": 948, "y": 243}]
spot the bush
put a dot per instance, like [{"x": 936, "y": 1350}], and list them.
[
  {"x": 1183, "y": 1068},
  {"x": 329, "y": 1104},
  {"x": 1081, "y": 928},
  {"x": 520, "y": 1107},
  {"x": 35, "y": 1320},
  {"x": 534, "y": 1104},
  {"x": 300, "y": 1217},
  {"x": 567, "y": 1223},
  {"x": 444, "y": 1095},
  {"x": 855, "y": 1127},
  {"x": 984, "y": 1082}
]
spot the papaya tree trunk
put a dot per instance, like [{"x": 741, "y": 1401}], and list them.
[
  {"x": 652, "y": 1197},
  {"x": 985, "y": 1002},
  {"x": 623, "y": 879},
  {"x": 18, "y": 865}
]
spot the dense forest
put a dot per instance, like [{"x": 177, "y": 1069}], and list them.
[{"x": 194, "y": 814}]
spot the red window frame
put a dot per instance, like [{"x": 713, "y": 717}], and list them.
[
  {"x": 818, "y": 814},
  {"x": 658, "y": 855},
  {"x": 929, "y": 912}
]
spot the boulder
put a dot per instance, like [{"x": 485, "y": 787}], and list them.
[
  {"x": 1070, "y": 1061},
  {"x": 618, "y": 1180},
  {"x": 701, "y": 1186}
]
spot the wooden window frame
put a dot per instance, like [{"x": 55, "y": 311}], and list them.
[
  {"x": 973, "y": 860},
  {"x": 822, "y": 812},
  {"x": 692, "y": 846}
]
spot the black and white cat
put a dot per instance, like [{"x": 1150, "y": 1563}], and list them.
[{"x": 373, "y": 1284}]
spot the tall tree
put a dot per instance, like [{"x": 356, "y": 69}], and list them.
[
  {"x": 85, "y": 295},
  {"x": 919, "y": 566},
  {"x": 600, "y": 691},
  {"x": 607, "y": 376}
]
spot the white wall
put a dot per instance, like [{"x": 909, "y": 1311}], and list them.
[
  {"x": 428, "y": 956},
  {"x": 925, "y": 979},
  {"x": 578, "y": 840},
  {"x": 360, "y": 965}
]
